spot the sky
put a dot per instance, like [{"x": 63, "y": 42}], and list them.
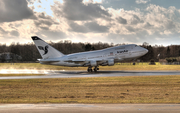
[{"x": 156, "y": 22}]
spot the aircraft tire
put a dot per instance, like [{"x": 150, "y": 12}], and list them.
[
  {"x": 95, "y": 70},
  {"x": 89, "y": 70}
]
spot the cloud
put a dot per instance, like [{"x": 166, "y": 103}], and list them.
[
  {"x": 95, "y": 27},
  {"x": 2, "y": 31},
  {"x": 90, "y": 21},
  {"x": 51, "y": 35},
  {"x": 142, "y": 1},
  {"x": 170, "y": 24},
  {"x": 43, "y": 16},
  {"x": 13, "y": 10},
  {"x": 121, "y": 20},
  {"x": 14, "y": 33},
  {"x": 44, "y": 21},
  {"x": 78, "y": 28},
  {"x": 76, "y": 10},
  {"x": 88, "y": 27},
  {"x": 44, "y": 24},
  {"x": 147, "y": 25},
  {"x": 163, "y": 19},
  {"x": 135, "y": 20},
  {"x": 130, "y": 29}
]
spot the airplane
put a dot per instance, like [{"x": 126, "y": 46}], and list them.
[{"x": 90, "y": 59}]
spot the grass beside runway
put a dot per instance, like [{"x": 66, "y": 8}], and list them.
[
  {"x": 141, "y": 89},
  {"x": 120, "y": 66}
]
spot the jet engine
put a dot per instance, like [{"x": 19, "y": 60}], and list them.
[
  {"x": 110, "y": 62},
  {"x": 93, "y": 63}
]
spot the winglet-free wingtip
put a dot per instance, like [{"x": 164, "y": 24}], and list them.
[{"x": 35, "y": 38}]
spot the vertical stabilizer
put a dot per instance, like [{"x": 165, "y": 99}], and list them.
[{"x": 45, "y": 49}]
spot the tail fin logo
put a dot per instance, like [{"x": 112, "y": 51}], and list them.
[{"x": 45, "y": 49}]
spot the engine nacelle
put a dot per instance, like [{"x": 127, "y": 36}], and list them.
[
  {"x": 104, "y": 64},
  {"x": 110, "y": 62},
  {"x": 93, "y": 63}
]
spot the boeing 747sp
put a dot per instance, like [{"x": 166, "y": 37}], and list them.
[{"x": 104, "y": 57}]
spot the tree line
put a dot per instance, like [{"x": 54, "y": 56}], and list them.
[{"x": 29, "y": 52}]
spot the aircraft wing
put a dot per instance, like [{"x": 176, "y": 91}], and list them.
[
  {"x": 48, "y": 60},
  {"x": 99, "y": 61},
  {"x": 76, "y": 61}
]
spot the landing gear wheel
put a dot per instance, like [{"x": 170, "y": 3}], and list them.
[
  {"x": 95, "y": 69},
  {"x": 89, "y": 70}
]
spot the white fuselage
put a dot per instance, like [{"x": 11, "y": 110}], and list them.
[{"x": 100, "y": 57}]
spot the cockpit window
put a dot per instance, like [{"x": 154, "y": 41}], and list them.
[{"x": 135, "y": 45}]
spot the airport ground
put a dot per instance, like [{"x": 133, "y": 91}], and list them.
[
  {"x": 128, "y": 94},
  {"x": 130, "y": 89}
]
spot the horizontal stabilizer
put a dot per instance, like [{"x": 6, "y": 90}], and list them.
[{"x": 48, "y": 61}]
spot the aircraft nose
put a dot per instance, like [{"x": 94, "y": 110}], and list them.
[{"x": 146, "y": 51}]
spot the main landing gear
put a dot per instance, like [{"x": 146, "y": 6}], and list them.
[{"x": 91, "y": 70}]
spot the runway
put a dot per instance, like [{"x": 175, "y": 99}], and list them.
[
  {"x": 90, "y": 108},
  {"x": 77, "y": 74}
]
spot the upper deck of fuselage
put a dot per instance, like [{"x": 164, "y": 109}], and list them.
[{"x": 102, "y": 50}]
